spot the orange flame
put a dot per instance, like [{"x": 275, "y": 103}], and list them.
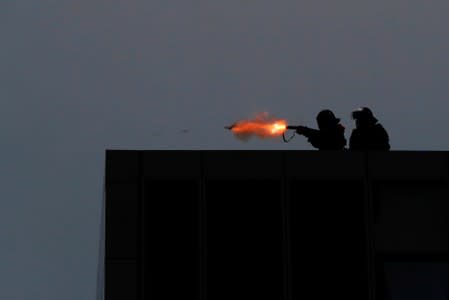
[{"x": 262, "y": 126}]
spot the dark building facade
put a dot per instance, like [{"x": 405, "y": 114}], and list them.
[{"x": 276, "y": 225}]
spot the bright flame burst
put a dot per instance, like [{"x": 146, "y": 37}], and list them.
[{"x": 262, "y": 125}]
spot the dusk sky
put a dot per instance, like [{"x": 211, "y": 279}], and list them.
[{"x": 80, "y": 77}]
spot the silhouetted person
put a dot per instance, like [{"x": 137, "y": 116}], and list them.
[
  {"x": 330, "y": 135},
  {"x": 368, "y": 133}
]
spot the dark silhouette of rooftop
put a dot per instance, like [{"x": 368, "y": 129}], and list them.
[{"x": 277, "y": 225}]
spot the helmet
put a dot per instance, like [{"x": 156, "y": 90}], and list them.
[
  {"x": 364, "y": 114},
  {"x": 326, "y": 118}
]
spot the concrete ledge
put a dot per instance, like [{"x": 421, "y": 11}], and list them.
[
  {"x": 324, "y": 165},
  {"x": 408, "y": 165},
  {"x": 171, "y": 164},
  {"x": 242, "y": 164},
  {"x": 122, "y": 165}
]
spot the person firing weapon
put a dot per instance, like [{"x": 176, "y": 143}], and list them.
[{"x": 329, "y": 136}]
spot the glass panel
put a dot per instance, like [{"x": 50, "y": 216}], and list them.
[
  {"x": 417, "y": 280},
  {"x": 329, "y": 259},
  {"x": 172, "y": 239},
  {"x": 244, "y": 240}
]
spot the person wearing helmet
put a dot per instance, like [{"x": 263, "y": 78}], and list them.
[
  {"x": 368, "y": 133},
  {"x": 330, "y": 135}
]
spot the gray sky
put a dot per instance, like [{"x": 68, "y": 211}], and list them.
[{"x": 79, "y": 77}]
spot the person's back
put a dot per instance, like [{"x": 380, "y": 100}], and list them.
[
  {"x": 368, "y": 134},
  {"x": 371, "y": 138}
]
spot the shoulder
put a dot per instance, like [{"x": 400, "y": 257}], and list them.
[{"x": 378, "y": 127}]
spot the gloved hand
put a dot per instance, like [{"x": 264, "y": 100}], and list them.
[{"x": 300, "y": 129}]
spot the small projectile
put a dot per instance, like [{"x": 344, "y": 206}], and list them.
[{"x": 230, "y": 127}]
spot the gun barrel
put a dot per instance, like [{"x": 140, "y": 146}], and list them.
[{"x": 292, "y": 127}]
